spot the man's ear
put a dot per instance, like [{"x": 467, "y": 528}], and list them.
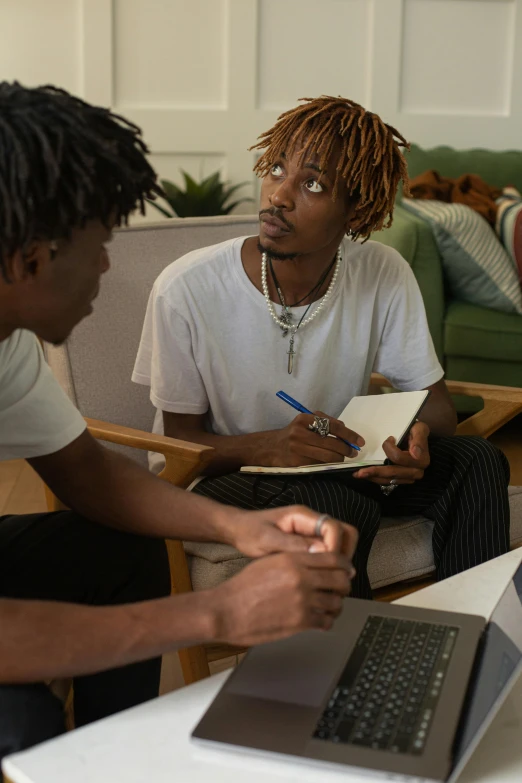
[{"x": 29, "y": 265}]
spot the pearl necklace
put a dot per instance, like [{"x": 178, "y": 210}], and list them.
[{"x": 283, "y": 322}]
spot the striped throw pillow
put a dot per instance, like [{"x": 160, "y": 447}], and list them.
[
  {"x": 509, "y": 225},
  {"x": 477, "y": 267}
]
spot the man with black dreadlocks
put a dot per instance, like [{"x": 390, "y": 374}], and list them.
[
  {"x": 309, "y": 306},
  {"x": 83, "y": 592}
]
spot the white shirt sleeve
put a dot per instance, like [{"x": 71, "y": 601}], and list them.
[
  {"x": 166, "y": 360},
  {"x": 36, "y": 416},
  {"x": 406, "y": 356}
]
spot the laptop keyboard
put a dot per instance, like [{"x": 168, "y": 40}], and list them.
[{"x": 389, "y": 689}]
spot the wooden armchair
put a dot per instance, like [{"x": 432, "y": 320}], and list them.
[{"x": 185, "y": 461}]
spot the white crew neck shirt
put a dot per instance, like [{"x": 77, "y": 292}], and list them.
[
  {"x": 36, "y": 416},
  {"x": 210, "y": 345}
]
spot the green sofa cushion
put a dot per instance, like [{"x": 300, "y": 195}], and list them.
[
  {"x": 482, "y": 334},
  {"x": 462, "y": 368},
  {"x": 413, "y": 238},
  {"x": 495, "y": 168},
  {"x": 477, "y": 267}
]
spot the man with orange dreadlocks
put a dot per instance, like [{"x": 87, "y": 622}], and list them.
[{"x": 310, "y": 306}]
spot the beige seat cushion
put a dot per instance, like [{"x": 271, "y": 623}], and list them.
[{"x": 401, "y": 550}]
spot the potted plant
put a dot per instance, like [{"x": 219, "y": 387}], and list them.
[{"x": 211, "y": 196}]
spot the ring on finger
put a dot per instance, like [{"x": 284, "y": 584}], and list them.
[
  {"x": 321, "y": 425},
  {"x": 387, "y": 489},
  {"x": 394, "y": 482},
  {"x": 319, "y": 523}
]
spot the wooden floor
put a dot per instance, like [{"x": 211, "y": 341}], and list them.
[{"x": 21, "y": 490}]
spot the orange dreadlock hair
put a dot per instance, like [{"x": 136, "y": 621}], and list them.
[{"x": 371, "y": 162}]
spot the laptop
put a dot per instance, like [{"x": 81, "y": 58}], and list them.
[{"x": 397, "y": 691}]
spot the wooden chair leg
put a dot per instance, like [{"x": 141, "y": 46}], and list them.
[{"x": 193, "y": 660}]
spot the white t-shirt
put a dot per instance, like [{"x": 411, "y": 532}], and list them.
[
  {"x": 36, "y": 416},
  {"x": 209, "y": 343}
]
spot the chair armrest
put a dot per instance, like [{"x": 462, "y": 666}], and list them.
[
  {"x": 486, "y": 391},
  {"x": 501, "y": 404},
  {"x": 184, "y": 461}
]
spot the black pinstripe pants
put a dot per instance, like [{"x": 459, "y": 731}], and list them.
[{"x": 464, "y": 492}]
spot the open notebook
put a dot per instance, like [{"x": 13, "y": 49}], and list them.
[{"x": 375, "y": 417}]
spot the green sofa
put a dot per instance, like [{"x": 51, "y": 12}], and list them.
[{"x": 473, "y": 343}]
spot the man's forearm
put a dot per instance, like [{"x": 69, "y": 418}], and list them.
[
  {"x": 231, "y": 452},
  {"x": 113, "y": 490},
  {"x": 41, "y": 640},
  {"x": 440, "y": 418}
]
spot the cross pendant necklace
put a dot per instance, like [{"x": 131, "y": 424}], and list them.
[
  {"x": 284, "y": 321},
  {"x": 291, "y": 354}
]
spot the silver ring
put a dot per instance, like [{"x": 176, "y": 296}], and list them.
[
  {"x": 387, "y": 489},
  {"x": 319, "y": 523},
  {"x": 394, "y": 481},
  {"x": 321, "y": 426}
]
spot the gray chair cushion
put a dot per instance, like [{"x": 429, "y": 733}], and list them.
[{"x": 401, "y": 550}]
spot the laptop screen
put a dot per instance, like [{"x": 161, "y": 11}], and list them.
[{"x": 497, "y": 663}]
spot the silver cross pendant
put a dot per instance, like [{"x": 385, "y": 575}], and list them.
[{"x": 291, "y": 354}]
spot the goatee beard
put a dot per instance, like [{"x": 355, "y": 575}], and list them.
[{"x": 274, "y": 253}]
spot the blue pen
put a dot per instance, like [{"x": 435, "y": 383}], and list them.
[{"x": 301, "y": 408}]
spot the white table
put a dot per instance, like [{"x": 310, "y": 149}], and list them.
[{"x": 151, "y": 742}]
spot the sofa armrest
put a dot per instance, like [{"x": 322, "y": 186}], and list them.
[{"x": 413, "y": 239}]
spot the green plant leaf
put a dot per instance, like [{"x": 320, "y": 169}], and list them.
[
  {"x": 230, "y": 190},
  {"x": 213, "y": 182},
  {"x": 191, "y": 186},
  {"x": 160, "y": 208},
  {"x": 228, "y": 209},
  {"x": 201, "y": 199}
]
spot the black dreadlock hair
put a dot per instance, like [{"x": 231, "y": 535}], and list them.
[
  {"x": 371, "y": 162},
  {"x": 64, "y": 162}
]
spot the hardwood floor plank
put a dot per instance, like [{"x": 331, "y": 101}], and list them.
[
  {"x": 9, "y": 472},
  {"x": 21, "y": 488}
]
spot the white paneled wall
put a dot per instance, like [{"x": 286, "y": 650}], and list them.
[{"x": 204, "y": 77}]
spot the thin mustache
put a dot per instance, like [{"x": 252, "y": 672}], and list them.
[{"x": 275, "y": 212}]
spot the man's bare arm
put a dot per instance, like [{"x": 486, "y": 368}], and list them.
[
  {"x": 273, "y": 597},
  {"x": 46, "y": 639},
  {"x": 231, "y": 451},
  {"x": 260, "y": 448},
  {"x": 106, "y": 487},
  {"x": 290, "y": 446},
  {"x": 439, "y": 412}
]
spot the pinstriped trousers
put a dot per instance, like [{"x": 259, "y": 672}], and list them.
[{"x": 464, "y": 492}]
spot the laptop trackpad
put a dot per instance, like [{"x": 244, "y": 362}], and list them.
[{"x": 295, "y": 671}]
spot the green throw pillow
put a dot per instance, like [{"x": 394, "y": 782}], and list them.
[{"x": 477, "y": 267}]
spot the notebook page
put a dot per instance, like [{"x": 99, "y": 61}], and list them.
[{"x": 378, "y": 416}]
